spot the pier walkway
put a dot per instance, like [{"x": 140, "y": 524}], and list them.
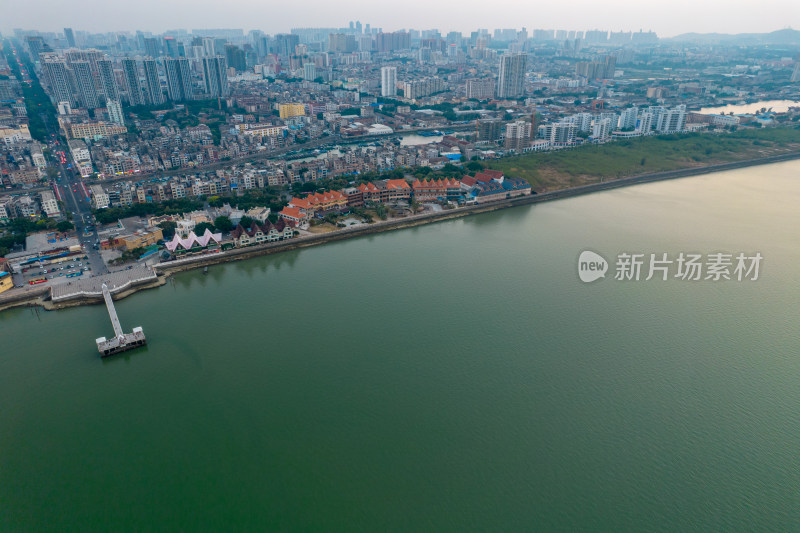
[{"x": 121, "y": 341}]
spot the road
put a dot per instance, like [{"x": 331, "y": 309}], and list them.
[{"x": 73, "y": 194}]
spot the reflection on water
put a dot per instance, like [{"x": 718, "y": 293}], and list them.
[
  {"x": 778, "y": 106},
  {"x": 460, "y": 370}
]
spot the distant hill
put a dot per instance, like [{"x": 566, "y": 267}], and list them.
[{"x": 785, "y": 36}]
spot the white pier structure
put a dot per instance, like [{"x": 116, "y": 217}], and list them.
[{"x": 121, "y": 341}]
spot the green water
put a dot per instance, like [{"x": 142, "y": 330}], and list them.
[{"x": 452, "y": 377}]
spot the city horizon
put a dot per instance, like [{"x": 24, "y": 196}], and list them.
[{"x": 614, "y": 16}]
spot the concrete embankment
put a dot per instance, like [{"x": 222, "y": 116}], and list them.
[
  {"x": 40, "y": 296},
  {"x": 24, "y": 297},
  {"x": 418, "y": 220},
  {"x": 91, "y": 299}
]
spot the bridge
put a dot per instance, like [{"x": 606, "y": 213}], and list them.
[{"x": 121, "y": 341}]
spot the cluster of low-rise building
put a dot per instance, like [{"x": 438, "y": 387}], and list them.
[{"x": 43, "y": 203}]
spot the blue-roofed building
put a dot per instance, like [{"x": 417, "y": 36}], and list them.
[
  {"x": 493, "y": 185},
  {"x": 5, "y": 281}
]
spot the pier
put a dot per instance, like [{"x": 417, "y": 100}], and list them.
[{"x": 121, "y": 341}]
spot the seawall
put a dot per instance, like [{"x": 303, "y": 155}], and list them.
[{"x": 39, "y": 296}]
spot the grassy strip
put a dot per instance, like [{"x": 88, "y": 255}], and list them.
[{"x": 618, "y": 159}]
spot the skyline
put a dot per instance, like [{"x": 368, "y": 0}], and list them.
[{"x": 715, "y": 16}]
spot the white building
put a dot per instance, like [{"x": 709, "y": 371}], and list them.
[
  {"x": 724, "y": 120},
  {"x": 49, "y": 204},
  {"x": 601, "y": 130},
  {"x": 5, "y": 208},
  {"x": 518, "y": 135},
  {"x": 563, "y": 133},
  {"x": 11, "y": 135},
  {"x": 644, "y": 124},
  {"x": 114, "y": 109},
  {"x": 388, "y": 81},
  {"x": 627, "y": 119},
  {"x": 511, "y": 77},
  {"x": 99, "y": 197},
  {"x": 480, "y": 89},
  {"x": 583, "y": 121},
  {"x": 673, "y": 120}
]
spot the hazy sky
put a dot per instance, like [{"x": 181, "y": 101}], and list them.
[{"x": 666, "y": 17}]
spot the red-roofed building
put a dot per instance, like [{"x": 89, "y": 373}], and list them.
[
  {"x": 373, "y": 193},
  {"x": 294, "y": 214},
  {"x": 494, "y": 174},
  {"x": 320, "y": 203},
  {"x": 398, "y": 190}
]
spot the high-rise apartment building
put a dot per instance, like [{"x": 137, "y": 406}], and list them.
[
  {"x": 215, "y": 77},
  {"x": 601, "y": 130},
  {"x": 70, "y": 36},
  {"x": 84, "y": 83},
  {"x": 480, "y": 89},
  {"x": 309, "y": 71},
  {"x": 57, "y": 77},
  {"x": 152, "y": 82},
  {"x": 424, "y": 87},
  {"x": 511, "y": 78},
  {"x": 285, "y": 43},
  {"x": 130, "y": 73},
  {"x": 171, "y": 47},
  {"x": 627, "y": 118},
  {"x": 208, "y": 46},
  {"x": 388, "y": 81},
  {"x": 518, "y": 135},
  {"x": 673, "y": 120},
  {"x": 152, "y": 47},
  {"x": 108, "y": 82},
  {"x": 179, "y": 79},
  {"x": 342, "y": 43},
  {"x": 235, "y": 57},
  {"x": 36, "y": 45},
  {"x": 488, "y": 130}
]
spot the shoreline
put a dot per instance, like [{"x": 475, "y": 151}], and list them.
[{"x": 28, "y": 297}]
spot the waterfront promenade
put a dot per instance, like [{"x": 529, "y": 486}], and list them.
[
  {"x": 128, "y": 281},
  {"x": 93, "y": 287}
]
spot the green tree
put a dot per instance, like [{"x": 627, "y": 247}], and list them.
[
  {"x": 246, "y": 221},
  {"x": 201, "y": 228},
  {"x": 168, "y": 228},
  {"x": 65, "y": 226},
  {"x": 223, "y": 223}
]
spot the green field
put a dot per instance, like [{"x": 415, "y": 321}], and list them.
[{"x": 590, "y": 164}]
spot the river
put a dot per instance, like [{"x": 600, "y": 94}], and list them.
[
  {"x": 777, "y": 106},
  {"x": 450, "y": 377}
]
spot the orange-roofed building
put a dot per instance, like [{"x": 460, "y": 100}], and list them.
[
  {"x": 294, "y": 214},
  {"x": 373, "y": 193},
  {"x": 398, "y": 190},
  {"x": 320, "y": 203}
]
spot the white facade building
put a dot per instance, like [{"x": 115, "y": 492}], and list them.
[
  {"x": 388, "y": 81},
  {"x": 49, "y": 204},
  {"x": 99, "y": 197}
]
